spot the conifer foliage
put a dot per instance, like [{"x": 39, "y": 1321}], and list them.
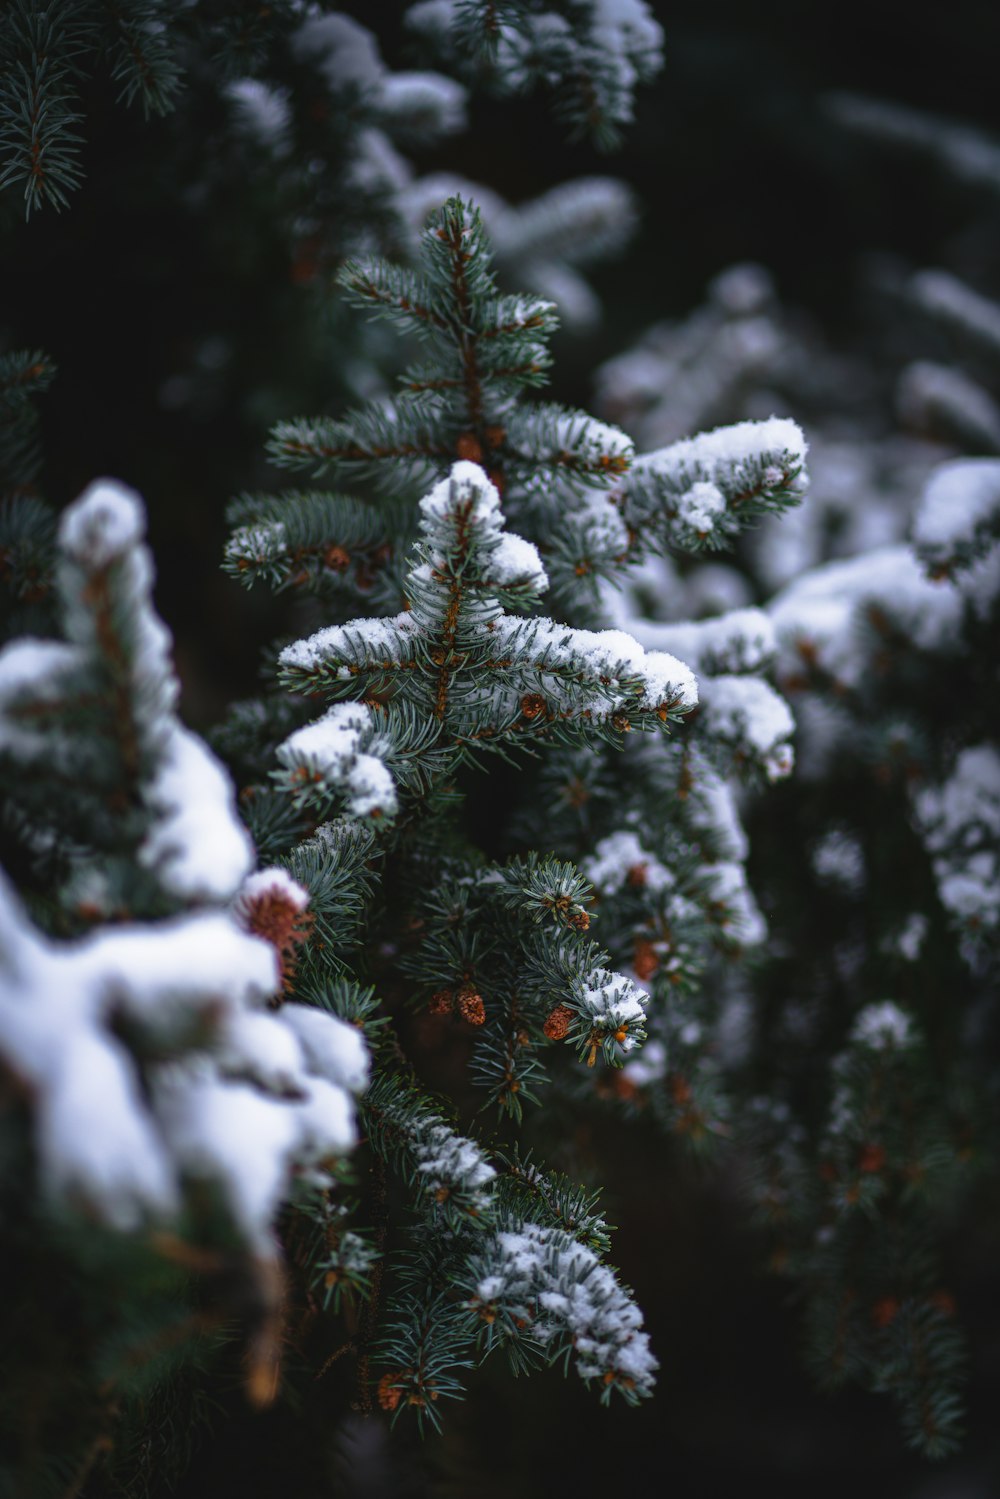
[{"x": 494, "y": 946}]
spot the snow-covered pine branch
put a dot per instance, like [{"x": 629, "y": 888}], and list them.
[
  {"x": 700, "y": 491},
  {"x": 592, "y": 55},
  {"x": 99, "y": 709},
  {"x": 482, "y": 674}
]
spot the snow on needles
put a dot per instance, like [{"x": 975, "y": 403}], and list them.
[
  {"x": 121, "y": 1145},
  {"x": 561, "y": 1292}
]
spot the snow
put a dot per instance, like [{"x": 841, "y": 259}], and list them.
[
  {"x": 544, "y": 1277},
  {"x": 334, "y": 1049},
  {"x": 331, "y": 749},
  {"x": 367, "y": 641},
  {"x": 934, "y": 397},
  {"x": 715, "y": 455},
  {"x": 35, "y": 674},
  {"x": 609, "y": 657},
  {"x": 429, "y": 102},
  {"x": 197, "y": 847},
  {"x": 946, "y": 297},
  {"x": 700, "y": 506},
  {"x": 262, "y": 112},
  {"x": 741, "y": 640},
  {"x": 711, "y": 810},
  {"x": 620, "y": 859},
  {"x": 726, "y": 883},
  {"x": 821, "y": 612},
  {"x": 750, "y": 715},
  {"x": 882, "y": 1027},
  {"x": 345, "y": 53},
  {"x": 231, "y": 1133},
  {"x": 910, "y": 937},
  {"x": 515, "y": 560},
  {"x": 123, "y": 1149},
  {"x": 960, "y": 499},
  {"x": 612, "y": 1002},
  {"x": 448, "y": 1162},
  {"x": 274, "y": 882},
  {"x": 102, "y": 524},
  {"x": 94, "y": 1137},
  {"x": 839, "y": 859},
  {"x": 960, "y": 824}
]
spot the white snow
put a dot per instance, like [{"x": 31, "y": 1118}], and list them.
[
  {"x": 959, "y": 499},
  {"x": 429, "y": 102},
  {"x": 559, "y": 1287},
  {"x": 515, "y": 560},
  {"x": 331, "y": 748},
  {"x": 106, "y": 521},
  {"x": 197, "y": 847},
  {"x": 613, "y": 1002},
  {"x": 122, "y": 1149},
  {"x": 749, "y": 714},
  {"x": 364, "y": 642},
  {"x": 714, "y": 456},
  {"x": 822, "y": 612},
  {"x": 620, "y": 859},
  {"x": 344, "y": 52},
  {"x": 882, "y": 1027},
  {"x": 334, "y": 1049}
]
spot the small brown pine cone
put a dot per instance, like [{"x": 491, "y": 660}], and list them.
[
  {"x": 637, "y": 875},
  {"x": 470, "y": 1005},
  {"x": 557, "y": 1025},
  {"x": 388, "y": 1397},
  {"x": 469, "y": 447},
  {"x": 337, "y": 558},
  {"x": 580, "y": 920},
  {"x": 442, "y": 1002},
  {"x": 532, "y": 704}
]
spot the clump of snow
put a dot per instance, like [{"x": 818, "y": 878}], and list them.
[
  {"x": 741, "y": 640},
  {"x": 273, "y": 881},
  {"x": 334, "y": 1049},
  {"x": 448, "y": 1162},
  {"x": 725, "y": 883},
  {"x": 123, "y": 1147},
  {"x": 613, "y": 1004},
  {"x": 262, "y": 112},
  {"x": 341, "y": 50},
  {"x": 839, "y": 859},
  {"x": 749, "y": 715},
  {"x": 105, "y": 522},
  {"x": 713, "y": 457},
  {"x": 819, "y": 617},
  {"x": 197, "y": 845},
  {"x": 428, "y": 103},
  {"x": 620, "y": 859},
  {"x": 515, "y": 560},
  {"x": 331, "y": 753},
  {"x": 960, "y": 823},
  {"x": 366, "y": 642},
  {"x": 559, "y": 1289},
  {"x": 960, "y": 507},
  {"x": 700, "y": 506},
  {"x": 909, "y": 940},
  {"x": 883, "y": 1027}
]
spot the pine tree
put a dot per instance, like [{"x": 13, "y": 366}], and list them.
[{"x": 465, "y": 673}]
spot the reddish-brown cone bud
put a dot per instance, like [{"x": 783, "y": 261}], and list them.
[
  {"x": 470, "y": 1005},
  {"x": 388, "y": 1396},
  {"x": 557, "y": 1024},
  {"x": 442, "y": 1002}
]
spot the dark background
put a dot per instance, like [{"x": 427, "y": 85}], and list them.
[{"x": 732, "y": 158}]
